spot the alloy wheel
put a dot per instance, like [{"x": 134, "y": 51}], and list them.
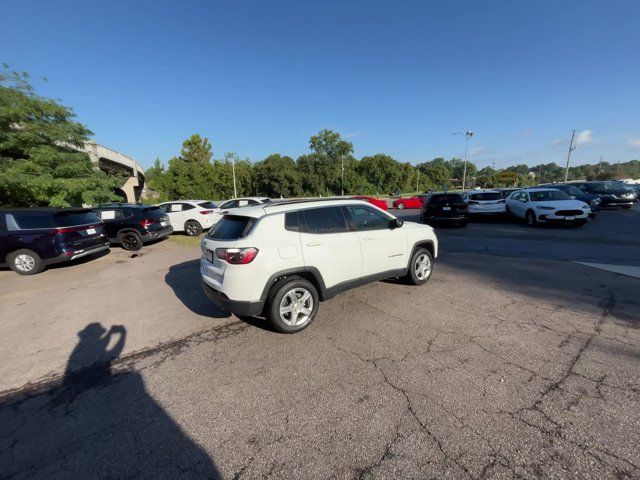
[
  {"x": 422, "y": 267},
  {"x": 296, "y": 307},
  {"x": 24, "y": 262}
]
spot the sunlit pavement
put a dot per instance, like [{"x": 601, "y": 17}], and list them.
[{"x": 512, "y": 361}]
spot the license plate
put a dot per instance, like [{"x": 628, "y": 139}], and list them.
[
  {"x": 209, "y": 255},
  {"x": 91, "y": 231},
  {"x": 569, "y": 218},
  {"x": 164, "y": 224},
  {"x": 446, "y": 209}
]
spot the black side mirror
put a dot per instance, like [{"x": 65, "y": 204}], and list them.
[{"x": 395, "y": 223}]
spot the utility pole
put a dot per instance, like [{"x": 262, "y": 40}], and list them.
[
  {"x": 468, "y": 134},
  {"x": 418, "y": 182},
  {"x": 342, "y": 181},
  {"x": 233, "y": 168},
  {"x": 540, "y": 174},
  {"x": 571, "y": 149}
]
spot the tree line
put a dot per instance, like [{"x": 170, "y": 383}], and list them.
[{"x": 42, "y": 164}]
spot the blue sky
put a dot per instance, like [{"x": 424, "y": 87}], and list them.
[{"x": 395, "y": 77}]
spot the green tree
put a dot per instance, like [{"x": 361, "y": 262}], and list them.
[
  {"x": 324, "y": 167},
  {"x": 277, "y": 176},
  {"x": 41, "y": 157},
  {"x": 437, "y": 175},
  {"x": 456, "y": 166},
  {"x": 383, "y": 172},
  {"x": 190, "y": 174}
]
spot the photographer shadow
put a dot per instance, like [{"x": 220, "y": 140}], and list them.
[{"x": 98, "y": 422}]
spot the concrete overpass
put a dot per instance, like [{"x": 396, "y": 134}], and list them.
[{"x": 115, "y": 163}]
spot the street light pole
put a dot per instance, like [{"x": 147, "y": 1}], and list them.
[{"x": 571, "y": 149}]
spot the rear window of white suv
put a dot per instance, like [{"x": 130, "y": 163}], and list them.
[{"x": 231, "y": 227}]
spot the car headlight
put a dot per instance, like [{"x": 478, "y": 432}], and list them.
[
  {"x": 540, "y": 207},
  {"x": 596, "y": 201}
]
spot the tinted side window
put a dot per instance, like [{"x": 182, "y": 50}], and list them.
[
  {"x": 323, "y": 220},
  {"x": 364, "y": 218},
  {"x": 187, "y": 206},
  {"x": 38, "y": 220},
  {"x": 207, "y": 205},
  {"x": 291, "y": 221}
]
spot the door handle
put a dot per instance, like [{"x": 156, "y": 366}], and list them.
[
  {"x": 314, "y": 244},
  {"x": 368, "y": 239}
]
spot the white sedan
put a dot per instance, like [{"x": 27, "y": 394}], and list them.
[
  {"x": 190, "y": 216},
  {"x": 546, "y": 205}
]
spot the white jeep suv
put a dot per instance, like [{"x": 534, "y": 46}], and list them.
[{"x": 281, "y": 259}]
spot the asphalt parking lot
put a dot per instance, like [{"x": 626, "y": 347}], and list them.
[{"x": 513, "y": 361}]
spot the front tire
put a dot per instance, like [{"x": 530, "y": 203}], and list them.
[
  {"x": 293, "y": 305},
  {"x": 25, "y": 262},
  {"x": 420, "y": 267},
  {"x": 531, "y": 219},
  {"x": 192, "y": 228},
  {"x": 130, "y": 241}
]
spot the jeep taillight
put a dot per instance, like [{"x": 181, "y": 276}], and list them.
[
  {"x": 237, "y": 256},
  {"x": 206, "y": 212}
]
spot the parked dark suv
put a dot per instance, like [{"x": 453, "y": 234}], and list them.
[
  {"x": 611, "y": 193},
  {"x": 33, "y": 238},
  {"x": 444, "y": 208},
  {"x": 590, "y": 199},
  {"x": 131, "y": 225}
]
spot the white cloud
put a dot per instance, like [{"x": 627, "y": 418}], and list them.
[
  {"x": 584, "y": 137},
  {"x": 474, "y": 152},
  {"x": 634, "y": 143}
]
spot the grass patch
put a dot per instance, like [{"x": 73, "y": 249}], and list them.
[{"x": 186, "y": 241}]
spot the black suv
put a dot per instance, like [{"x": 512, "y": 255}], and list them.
[
  {"x": 445, "y": 208},
  {"x": 131, "y": 224},
  {"x": 32, "y": 238},
  {"x": 611, "y": 193}
]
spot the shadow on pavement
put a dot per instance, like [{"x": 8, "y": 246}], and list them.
[
  {"x": 184, "y": 279},
  {"x": 95, "y": 423}
]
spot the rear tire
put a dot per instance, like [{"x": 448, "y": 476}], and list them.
[
  {"x": 293, "y": 305},
  {"x": 401, "y": 206},
  {"x": 531, "y": 219},
  {"x": 420, "y": 267},
  {"x": 25, "y": 262},
  {"x": 130, "y": 241},
  {"x": 192, "y": 228}
]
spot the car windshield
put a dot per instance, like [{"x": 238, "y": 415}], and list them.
[
  {"x": 484, "y": 196},
  {"x": 605, "y": 186},
  {"x": 71, "y": 219},
  {"x": 548, "y": 196}
]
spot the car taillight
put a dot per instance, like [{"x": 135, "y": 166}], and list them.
[
  {"x": 58, "y": 230},
  {"x": 206, "y": 212},
  {"x": 148, "y": 221},
  {"x": 237, "y": 256}
]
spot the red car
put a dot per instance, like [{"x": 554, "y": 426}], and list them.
[
  {"x": 375, "y": 201},
  {"x": 411, "y": 202}
]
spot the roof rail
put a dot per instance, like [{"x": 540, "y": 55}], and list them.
[{"x": 305, "y": 200}]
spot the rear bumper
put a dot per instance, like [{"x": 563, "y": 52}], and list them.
[
  {"x": 157, "y": 234},
  {"x": 77, "y": 254},
  {"x": 248, "y": 309},
  {"x": 456, "y": 218}
]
